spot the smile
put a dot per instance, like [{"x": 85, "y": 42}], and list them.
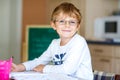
[{"x": 66, "y": 30}]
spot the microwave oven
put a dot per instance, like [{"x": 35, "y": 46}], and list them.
[{"x": 107, "y": 27}]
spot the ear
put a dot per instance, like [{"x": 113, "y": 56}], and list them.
[
  {"x": 53, "y": 25},
  {"x": 78, "y": 27}
]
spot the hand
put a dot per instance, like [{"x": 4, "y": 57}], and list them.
[
  {"x": 39, "y": 68},
  {"x": 14, "y": 67},
  {"x": 17, "y": 68}
]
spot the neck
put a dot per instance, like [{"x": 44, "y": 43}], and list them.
[{"x": 64, "y": 42}]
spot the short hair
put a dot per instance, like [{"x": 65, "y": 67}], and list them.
[{"x": 68, "y": 9}]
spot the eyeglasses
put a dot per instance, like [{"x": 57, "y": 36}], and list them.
[{"x": 64, "y": 22}]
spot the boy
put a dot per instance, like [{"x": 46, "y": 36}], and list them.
[{"x": 69, "y": 54}]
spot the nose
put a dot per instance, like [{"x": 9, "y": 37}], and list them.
[{"x": 67, "y": 23}]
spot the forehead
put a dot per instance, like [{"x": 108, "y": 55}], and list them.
[{"x": 64, "y": 16}]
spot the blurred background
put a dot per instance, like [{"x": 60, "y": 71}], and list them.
[{"x": 15, "y": 15}]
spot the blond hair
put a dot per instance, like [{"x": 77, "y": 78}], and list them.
[{"x": 68, "y": 9}]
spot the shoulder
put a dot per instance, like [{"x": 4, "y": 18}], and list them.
[
  {"x": 55, "y": 42},
  {"x": 79, "y": 39}
]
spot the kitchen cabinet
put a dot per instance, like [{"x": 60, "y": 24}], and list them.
[
  {"x": 117, "y": 60},
  {"x": 105, "y": 57},
  {"x": 117, "y": 66}
]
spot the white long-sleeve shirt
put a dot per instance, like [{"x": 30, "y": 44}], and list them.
[{"x": 72, "y": 59}]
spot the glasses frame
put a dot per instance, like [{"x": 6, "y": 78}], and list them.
[{"x": 64, "y": 22}]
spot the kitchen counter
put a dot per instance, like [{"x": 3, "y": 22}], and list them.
[{"x": 107, "y": 42}]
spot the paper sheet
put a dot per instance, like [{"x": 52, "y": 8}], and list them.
[{"x": 31, "y": 75}]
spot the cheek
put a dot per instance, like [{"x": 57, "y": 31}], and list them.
[{"x": 75, "y": 28}]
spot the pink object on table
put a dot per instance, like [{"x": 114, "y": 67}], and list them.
[{"x": 5, "y": 67}]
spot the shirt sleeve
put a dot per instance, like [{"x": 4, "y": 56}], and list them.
[{"x": 45, "y": 58}]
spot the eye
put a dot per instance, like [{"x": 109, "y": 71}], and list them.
[
  {"x": 61, "y": 21},
  {"x": 72, "y": 22}
]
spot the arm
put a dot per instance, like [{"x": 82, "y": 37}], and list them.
[
  {"x": 39, "y": 68},
  {"x": 44, "y": 59}
]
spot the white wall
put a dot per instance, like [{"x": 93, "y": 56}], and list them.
[
  {"x": 10, "y": 29},
  {"x": 95, "y": 9},
  {"x": 4, "y": 28}
]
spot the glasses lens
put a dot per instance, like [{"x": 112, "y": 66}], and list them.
[
  {"x": 72, "y": 23},
  {"x": 62, "y": 22}
]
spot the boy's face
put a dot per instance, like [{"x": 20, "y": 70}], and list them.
[{"x": 65, "y": 25}]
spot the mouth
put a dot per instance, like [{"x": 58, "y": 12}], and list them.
[{"x": 66, "y": 30}]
